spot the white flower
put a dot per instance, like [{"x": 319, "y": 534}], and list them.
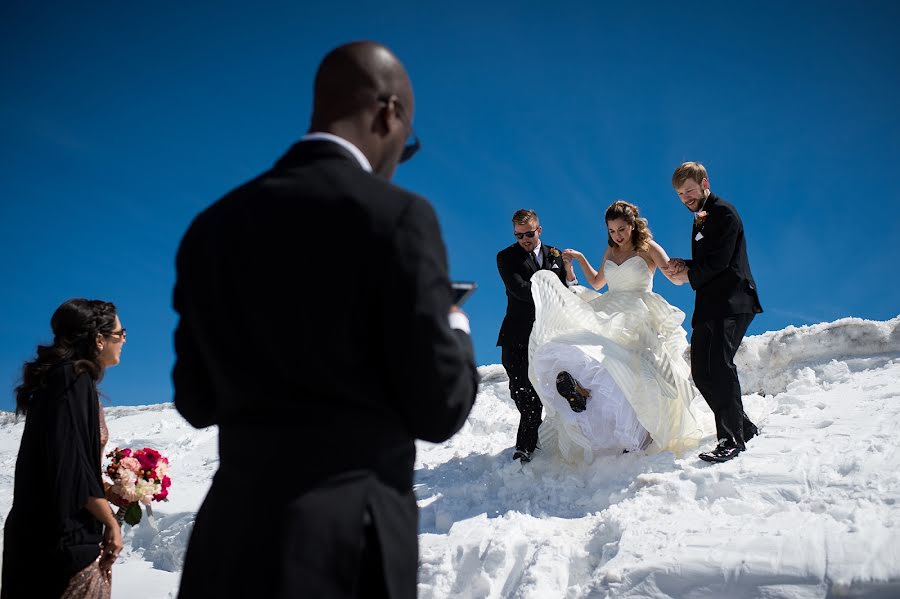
[{"x": 145, "y": 490}]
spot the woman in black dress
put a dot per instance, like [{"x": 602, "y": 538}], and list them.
[{"x": 61, "y": 536}]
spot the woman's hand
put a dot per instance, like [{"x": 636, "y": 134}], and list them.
[
  {"x": 111, "y": 547},
  {"x": 112, "y": 544},
  {"x": 675, "y": 266},
  {"x": 569, "y": 255}
]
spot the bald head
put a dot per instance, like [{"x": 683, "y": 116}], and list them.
[
  {"x": 352, "y": 79},
  {"x": 362, "y": 94}
]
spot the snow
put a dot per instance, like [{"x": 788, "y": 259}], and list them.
[{"x": 812, "y": 509}]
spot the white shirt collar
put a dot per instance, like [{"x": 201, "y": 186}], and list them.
[
  {"x": 537, "y": 250},
  {"x": 357, "y": 153}
]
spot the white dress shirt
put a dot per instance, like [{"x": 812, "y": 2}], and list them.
[{"x": 357, "y": 153}]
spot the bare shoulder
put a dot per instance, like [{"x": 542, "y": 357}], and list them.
[{"x": 649, "y": 257}]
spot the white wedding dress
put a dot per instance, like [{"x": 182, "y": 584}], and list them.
[{"x": 626, "y": 346}]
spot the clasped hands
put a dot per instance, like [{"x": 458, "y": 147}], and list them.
[{"x": 677, "y": 269}]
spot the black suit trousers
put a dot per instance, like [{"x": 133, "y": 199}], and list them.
[
  {"x": 515, "y": 361},
  {"x": 714, "y": 343}
]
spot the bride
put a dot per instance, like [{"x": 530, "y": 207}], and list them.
[{"x": 609, "y": 367}]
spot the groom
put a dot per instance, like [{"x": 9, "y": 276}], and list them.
[
  {"x": 725, "y": 305},
  {"x": 517, "y": 263}
]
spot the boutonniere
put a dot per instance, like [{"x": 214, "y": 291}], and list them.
[
  {"x": 699, "y": 219},
  {"x": 555, "y": 253}
]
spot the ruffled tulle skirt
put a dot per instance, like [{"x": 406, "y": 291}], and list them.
[{"x": 627, "y": 348}]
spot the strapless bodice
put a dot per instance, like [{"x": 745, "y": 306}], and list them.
[{"x": 631, "y": 275}]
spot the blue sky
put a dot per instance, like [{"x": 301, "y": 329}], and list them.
[{"x": 118, "y": 123}]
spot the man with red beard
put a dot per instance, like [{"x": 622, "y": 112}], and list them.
[{"x": 725, "y": 304}]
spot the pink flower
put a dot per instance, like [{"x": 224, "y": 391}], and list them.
[
  {"x": 130, "y": 464},
  {"x": 148, "y": 458},
  {"x": 161, "y": 496},
  {"x": 125, "y": 485},
  {"x": 700, "y": 218}
]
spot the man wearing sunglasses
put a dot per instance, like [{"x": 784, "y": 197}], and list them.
[
  {"x": 319, "y": 393},
  {"x": 517, "y": 263}
]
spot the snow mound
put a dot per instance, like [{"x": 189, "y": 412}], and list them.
[
  {"x": 768, "y": 363},
  {"x": 811, "y": 510}
]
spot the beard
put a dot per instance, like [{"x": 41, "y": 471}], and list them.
[{"x": 699, "y": 204}]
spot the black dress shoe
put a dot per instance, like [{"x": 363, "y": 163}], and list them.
[
  {"x": 522, "y": 455},
  {"x": 574, "y": 393},
  {"x": 726, "y": 450}
]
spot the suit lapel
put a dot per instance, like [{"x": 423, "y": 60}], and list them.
[{"x": 695, "y": 229}]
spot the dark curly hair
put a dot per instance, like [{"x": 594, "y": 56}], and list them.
[
  {"x": 76, "y": 324},
  {"x": 640, "y": 234}
]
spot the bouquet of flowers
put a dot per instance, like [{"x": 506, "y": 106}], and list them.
[{"x": 138, "y": 477}]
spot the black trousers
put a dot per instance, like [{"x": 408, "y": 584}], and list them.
[
  {"x": 515, "y": 361},
  {"x": 713, "y": 346}
]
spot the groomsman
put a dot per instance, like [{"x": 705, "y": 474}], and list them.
[
  {"x": 726, "y": 302},
  {"x": 517, "y": 263}
]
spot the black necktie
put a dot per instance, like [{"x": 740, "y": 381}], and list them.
[{"x": 534, "y": 262}]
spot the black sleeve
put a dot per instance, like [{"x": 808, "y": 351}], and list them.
[
  {"x": 518, "y": 286},
  {"x": 73, "y": 446},
  {"x": 720, "y": 238},
  {"x": 194, "y": 396},
  {"x": 432, "y": 375}
]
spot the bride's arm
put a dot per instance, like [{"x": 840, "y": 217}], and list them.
[
  {"x": 595, "y": 277},
  {"x": 661, "y": 259}
]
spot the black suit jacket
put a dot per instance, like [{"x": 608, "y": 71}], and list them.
[
  {"x": 516, "y": 269},
  {"x": 719, "y": 268},
  {"x": 319, "y": 390}
]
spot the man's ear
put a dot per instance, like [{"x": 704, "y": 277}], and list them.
[{"x": 387, "y": 113}]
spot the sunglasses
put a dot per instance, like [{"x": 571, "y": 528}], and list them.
[
  {"x": 528, "y": 234},
  {"x": 120, "y": 334},
  {"x": 412, "y": 141},
  {"x": 412, "y": 146}
]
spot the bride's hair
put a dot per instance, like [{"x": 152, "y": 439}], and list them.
[
  {"x": 76, "y": 324},
  {"x": 640, "y": 234}
]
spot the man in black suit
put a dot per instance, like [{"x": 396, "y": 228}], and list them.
[
  {"x": 516, "y": 264},
  {"x": 318, "y": 393},
  {"x": 725, "y": 304}
]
